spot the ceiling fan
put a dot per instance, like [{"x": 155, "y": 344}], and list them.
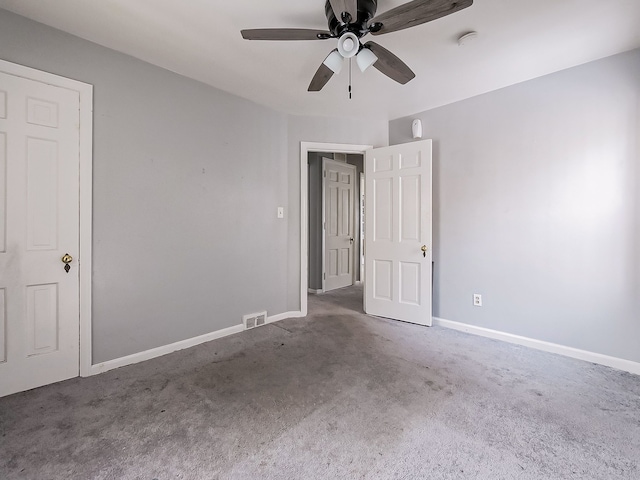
[{"x": 349, "y": 21}]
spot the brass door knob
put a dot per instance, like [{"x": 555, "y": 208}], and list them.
[
  {"x": 424, "y": 250},
  {"x": 67, "y": 259}
]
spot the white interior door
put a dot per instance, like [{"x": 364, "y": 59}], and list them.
[
  {"x": 339, "y": 229},
  {"x": 39, "y": 223},
  {"x": 398, "y": 232}
]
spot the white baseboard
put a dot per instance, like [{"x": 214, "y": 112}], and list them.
[
  {"x": 181, "y": 345},
  {"x": 164, "y": 350},
  {"x": 282, "y": 316},
  {"x": 314, "y": 291},
  {"x": 614, "y": 362}
]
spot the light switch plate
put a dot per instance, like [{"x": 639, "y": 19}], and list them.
[{"x": 280, "y": 212}]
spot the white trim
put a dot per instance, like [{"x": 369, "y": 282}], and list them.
[
  {"x": 86, "y": 222},
  {"x": 283, "y": 316},
  {"x": 181, "y": 345},
  {"x": 323, "y": 221},
  {"x": 305, "y": 148},
  {"x": 164, "y": 350},
  {"x": 85, "y": 92},
  {"x": 314, "y": 291},
  {"x": 614, "y": 362},
  {"x": 360, "y": 259}
]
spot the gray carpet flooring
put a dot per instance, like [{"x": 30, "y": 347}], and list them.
[{"x": 337, "y": 394}]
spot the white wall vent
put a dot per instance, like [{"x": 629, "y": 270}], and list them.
[{"x": 254, "y": 320}]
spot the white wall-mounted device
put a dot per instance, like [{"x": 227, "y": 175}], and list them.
[{"x": 416, "y": 128}]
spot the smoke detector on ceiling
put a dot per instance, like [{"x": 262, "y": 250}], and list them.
[{"x": 466, "y": 38}]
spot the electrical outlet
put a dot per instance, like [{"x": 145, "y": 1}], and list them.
[{"x": 477, "y": 300}]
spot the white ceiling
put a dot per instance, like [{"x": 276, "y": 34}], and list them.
[{"x": 518, "y": 40}]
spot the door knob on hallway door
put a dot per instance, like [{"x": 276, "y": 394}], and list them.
[{"x": 424, "y": 250}]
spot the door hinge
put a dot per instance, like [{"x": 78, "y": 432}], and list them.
[
  {"x": 324, "y": 174},
  {"x": 324, "y": 276}
]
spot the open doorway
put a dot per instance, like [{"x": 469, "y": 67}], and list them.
[
  {"x": 313, "y": 198},
  {"x": 335, "y": 219},
  {"x": 398, "y": 229}
]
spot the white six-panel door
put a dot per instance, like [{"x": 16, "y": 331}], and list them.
[
  {"x": 398, "y": 222},
  {"x": 339, "y": 229},
  {"x": 39, "y": 223}
]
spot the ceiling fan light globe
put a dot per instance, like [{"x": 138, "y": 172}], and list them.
[
  {"x": 334, "y": 61},
  {"x": 348, "y": 45},
  {"x": 365, "y": 59}
]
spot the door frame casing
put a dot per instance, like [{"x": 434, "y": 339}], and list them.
[
  {"x": 305, "y": 149},
  {"x": 361, "y": 190},
  {"x": 324, "y": 221},
  {"x": 85, "y": 92}
]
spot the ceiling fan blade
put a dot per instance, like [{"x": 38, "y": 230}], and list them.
[
  {"x": 415, "y": 13},
  {"x": 390, "y": 65},
  {"x": 348, "y": 6},
  {"x": 323, "y": 74},
  {"x": 320, "y": 79},
  {"x": 285, "y": 34}
]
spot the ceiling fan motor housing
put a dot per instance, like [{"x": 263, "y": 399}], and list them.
[{"x": 366, "y": 11}]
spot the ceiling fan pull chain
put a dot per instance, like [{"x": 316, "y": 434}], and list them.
[{"x": 350, "y": 79}]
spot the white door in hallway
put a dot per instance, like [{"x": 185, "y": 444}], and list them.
[
  {"x": 39, "y": 224},
  {"x": 339, "y": 229},
  {"x": 398, "y": 222}
]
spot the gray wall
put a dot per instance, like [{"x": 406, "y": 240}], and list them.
[
  {"x": 537, "y": 207},
  {"x": 187, "y": 181}
]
